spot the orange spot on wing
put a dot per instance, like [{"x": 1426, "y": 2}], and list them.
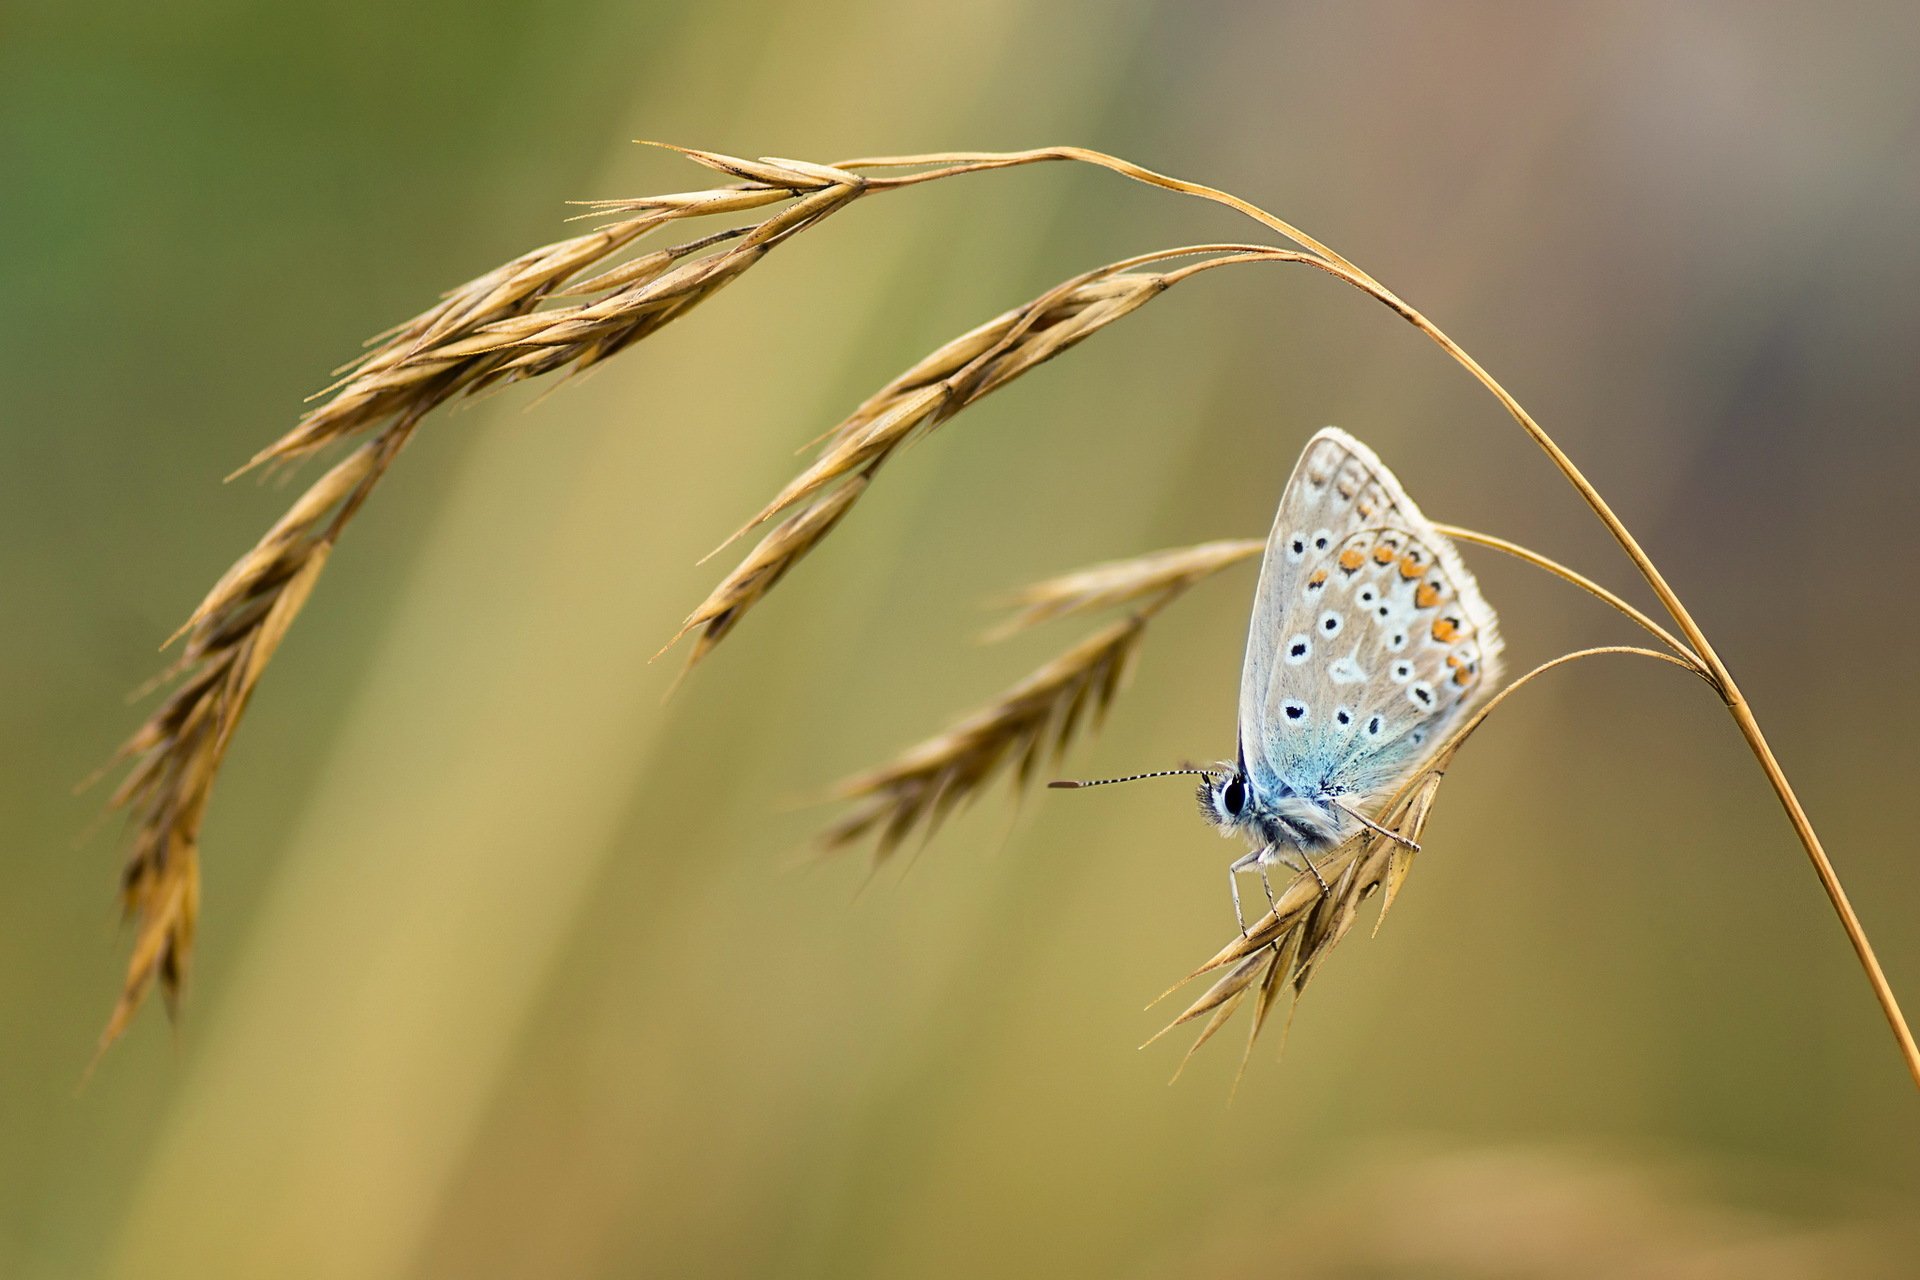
[
  {"x": 1318, "y": 578},
  {"x": 1383, "y": 554},
  {"x": 1410, "y": 566},
  {"x": 1444, "y": 630},
  {"x": 1352, "y": 558},
  {"x": 1426, "y": 596}
]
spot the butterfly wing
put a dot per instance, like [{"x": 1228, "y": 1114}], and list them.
[
  {"x": 1412, "y": 648},
  {"x": 1370, "y": 638}
]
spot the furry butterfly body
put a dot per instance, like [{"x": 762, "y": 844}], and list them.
[{"x": 1369, "y": 641}]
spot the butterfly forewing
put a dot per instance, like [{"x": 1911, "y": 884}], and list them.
[{"x": 1369, "y": 636}]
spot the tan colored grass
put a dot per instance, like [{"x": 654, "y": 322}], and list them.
[
  {"x": 507, "y": 325},
  {"x": 1280, "y": 952},
  {"x": 934, "y": 390},
  {"x": 1124, "y": 582},
  {"x": 518, "y": 322},
  {"x": 1041, "y": 715},
  {"x": 1034, "y": 720},
  {"x": 1038, "y": 718}
]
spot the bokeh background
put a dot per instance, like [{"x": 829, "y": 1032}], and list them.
[{"x": 506, "y": 966}]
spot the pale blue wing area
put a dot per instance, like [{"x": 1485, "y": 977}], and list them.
[
  {"x": 1401, "y": 649},
  {"x": 1336, "y": 490}
]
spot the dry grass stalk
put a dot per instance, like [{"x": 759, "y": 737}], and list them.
[
  {"x": 1042, "y": 714},
  {"x": 1693, "y": 641},
  {"x": 931, "y": 392},
  {"x": 1281, "y": 951},
  {"x": 1123, "y": 582},
  {"x": 493, "y": 330},
  {"x": 1284, "y": 948},
  {"x": 496, "y": 328},
  {"x": 926, "y": 782},
  {"x": 1035, "y": 719},
  {"x": 176, "y": 755},
  {"x": 766, "y": 564}
]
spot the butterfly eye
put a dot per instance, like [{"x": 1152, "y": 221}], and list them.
[{"x": 1234, "y": 797}]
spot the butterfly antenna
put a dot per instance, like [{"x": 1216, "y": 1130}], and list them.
[{"x": 1068, "y": 784}]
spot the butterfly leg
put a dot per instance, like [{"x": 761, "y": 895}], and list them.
[
  {"x": 1298, "y": 860},
  {"x": 1308, "y": 859},
  {"x": 1250, "y": 862}
]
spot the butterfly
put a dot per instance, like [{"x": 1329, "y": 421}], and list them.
[{"x": 1369, "y": 641}]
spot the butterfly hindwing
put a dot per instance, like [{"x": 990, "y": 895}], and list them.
[{"x": 1409, "y": 657}]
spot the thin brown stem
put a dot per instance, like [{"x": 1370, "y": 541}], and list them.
[
  {"x": 1721, "y": 679},
  {"x": 1304, "y": 892},
  {"x": 1580, "y": 580},
  {"x": 1444, "y": 755}
]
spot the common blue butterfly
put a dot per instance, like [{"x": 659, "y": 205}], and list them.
[{"x": 1369, "y": 641}]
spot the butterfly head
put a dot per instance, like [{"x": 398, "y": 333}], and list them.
[{"x": 1226, "y": 800}]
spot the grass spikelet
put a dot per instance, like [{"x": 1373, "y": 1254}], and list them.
[
  {"x": 766, "y": 564},
  {"x": 177, "y": 753},
  {"x": 1307, "y": 922},
  {"x": 1040, "y": 715},
  {"x": 1124, "y": 582},
  {"x": 498, "y": 327},
  {"x": 1224, "y": 993},
  {"x": 1036, "y": 718},
  {"x": 1284, "y": 948},
  {"x": 494, "y": 329},
  {"x": 963, "y": 371}
]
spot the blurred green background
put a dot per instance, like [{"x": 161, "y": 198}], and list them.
[{"x": 505, "y": 967}]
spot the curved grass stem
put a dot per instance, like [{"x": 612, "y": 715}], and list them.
[
  {"x": 1721, "y": 679},
  {"x": 937, "y": 166},
  {"x": 499, "y": 327},
  {"x": 1580, "y": 580}
]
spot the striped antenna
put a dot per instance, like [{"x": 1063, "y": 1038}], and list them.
[{"x": 1067, "y": 784}]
